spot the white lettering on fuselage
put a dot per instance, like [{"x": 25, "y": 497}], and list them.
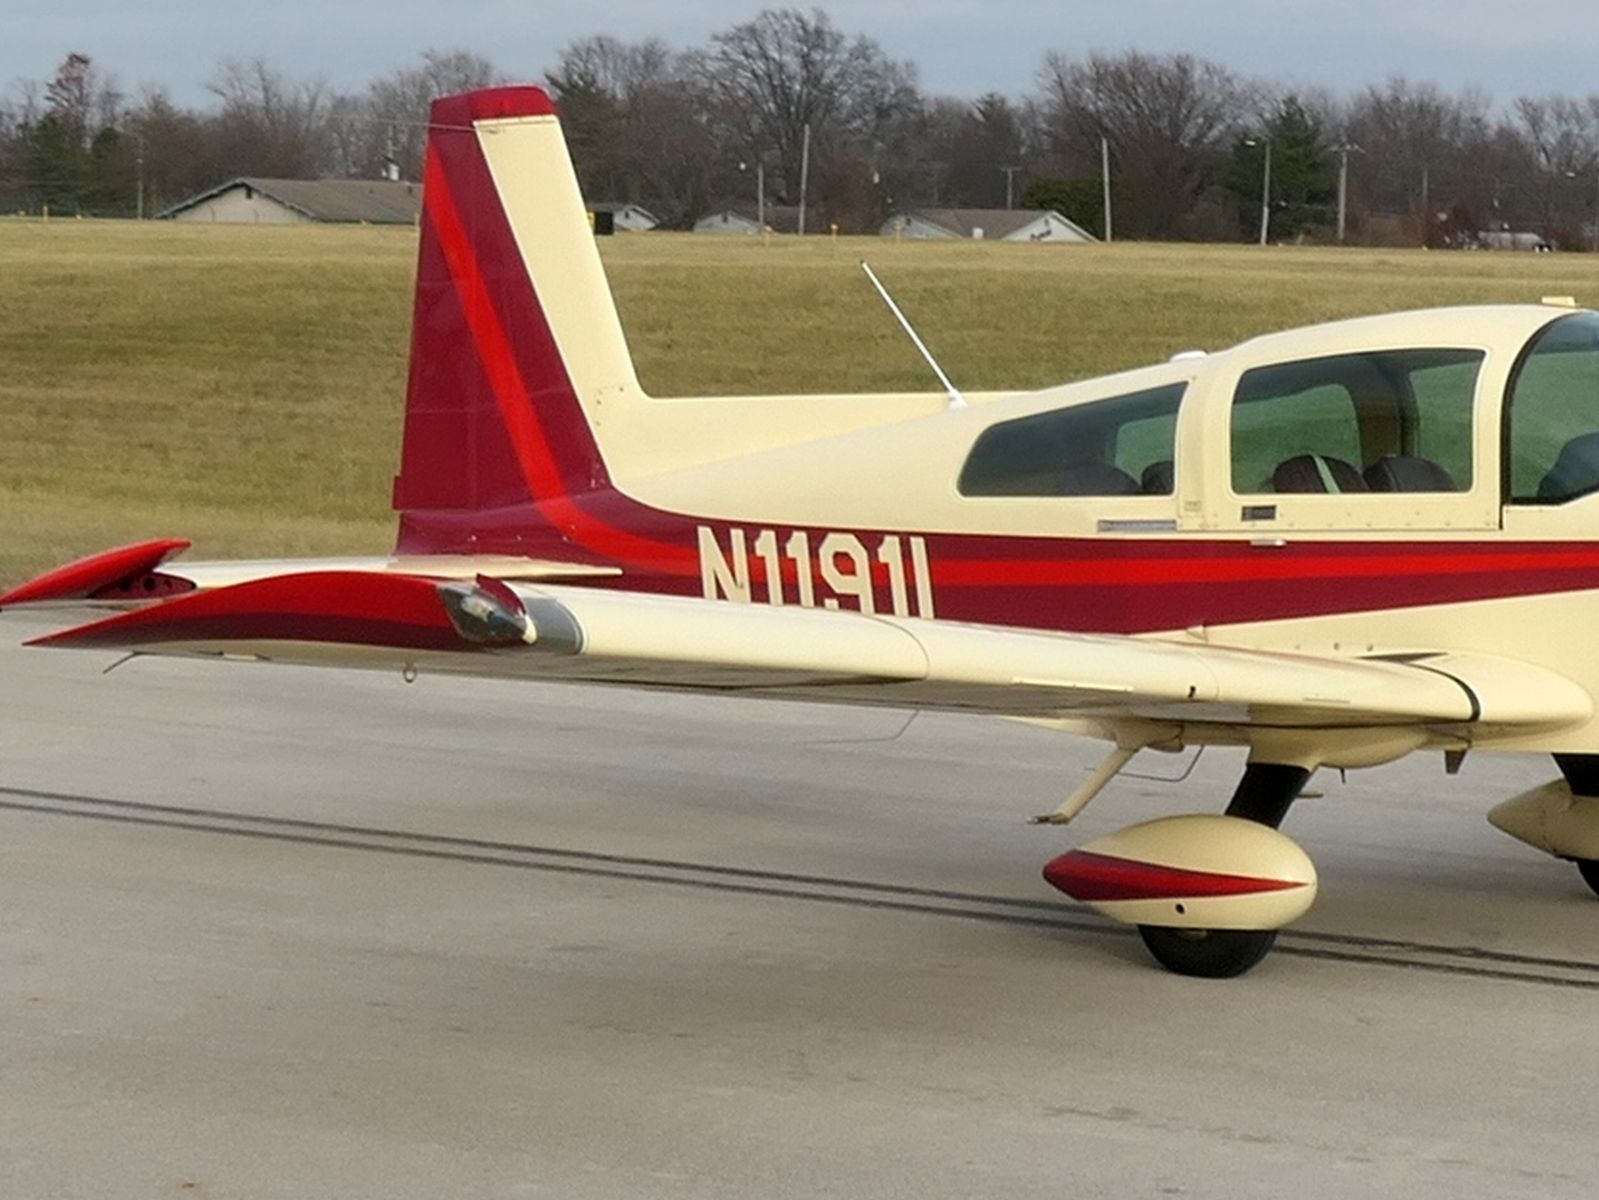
[{"x": 841, "y": 570}]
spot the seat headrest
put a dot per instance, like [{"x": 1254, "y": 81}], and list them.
[
  {"x": 1576, "y": 471},
  {"x": 1158, "y": 479},
  {"x": 1310, "y": 472},
  {"x": 1407, "y": 473},
  {"x": 1096, "y": 479}
]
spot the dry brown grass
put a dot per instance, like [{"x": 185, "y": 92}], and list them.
[{"x": 243, "y": 385}]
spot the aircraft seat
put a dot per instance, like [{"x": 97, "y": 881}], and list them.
[
  {"x": 1408, "y": 473},
  {"x": 1095, "y": 479},
  {"x": 1158, "y": 479},
  {"x": 1576, "y": 470}
]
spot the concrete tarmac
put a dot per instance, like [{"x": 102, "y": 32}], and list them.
[{"x": 268, "y": 932}]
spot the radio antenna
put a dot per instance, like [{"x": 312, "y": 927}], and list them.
[{"x": 956, "y": 400}]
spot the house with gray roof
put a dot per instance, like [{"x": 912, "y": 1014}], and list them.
[
  {"x": 993, "y": 224},
  {"x": 780, "y": 218},
  {"x": 259, "y": 201}
]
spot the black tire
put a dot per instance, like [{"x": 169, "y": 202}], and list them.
[
  {"x": 1590, "y": 872},
  {"x": 1209, "y": 953}
]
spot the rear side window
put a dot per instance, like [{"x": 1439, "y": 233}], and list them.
[{"x": 1123, "y": 446}]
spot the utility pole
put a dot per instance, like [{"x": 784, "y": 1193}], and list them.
[
  {"x": 760, "y": 193},
  {"x": 1104, "y": 179},
  {"x": 805, "y": 174},
  {"x": 1343, "y": 188},
  {"x": 1265, "y": 198},
  {"x": 1010, "y": 185},
  {"x": 1265, "y": 188}
]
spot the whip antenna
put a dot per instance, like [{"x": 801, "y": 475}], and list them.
[{"x": 956, "y": 400}]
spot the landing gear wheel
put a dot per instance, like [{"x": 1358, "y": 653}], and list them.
[
  {"x": 1590, "y": 871},
  {"x": 1216, "y": 953}
]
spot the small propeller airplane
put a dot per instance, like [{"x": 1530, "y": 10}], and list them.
[{"x": 1333, "y": 546}]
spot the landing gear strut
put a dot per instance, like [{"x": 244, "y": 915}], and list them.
[{"x": 1264, "y": 796}]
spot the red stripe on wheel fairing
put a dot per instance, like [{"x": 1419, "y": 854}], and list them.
[{"x": 1088, "y": 877}]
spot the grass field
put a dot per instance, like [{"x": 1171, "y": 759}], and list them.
[{"x": 243, "y": 386}]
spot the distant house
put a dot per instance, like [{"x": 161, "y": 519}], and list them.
[
  {"x": 780, "y": 218},
  {"x": 621, "y": 218},
  {"x": 254, "y": 200},
  {"x": 993, "y": 224}
]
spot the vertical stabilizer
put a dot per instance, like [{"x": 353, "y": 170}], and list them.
[{"x": 515, "y": 346}]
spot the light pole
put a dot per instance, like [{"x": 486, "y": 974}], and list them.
[
  {"x": 1343, "y": 186},
  {"x": 1104, "y": 179},
  {"x": 760, "y": 190},
  {"x": 805, "y": 175},
  {"x": 1265, "y": 188},
  {"x": 1010, "y": 185}
]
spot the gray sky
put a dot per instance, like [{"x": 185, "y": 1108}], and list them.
[{"x": 962, "y": 47}]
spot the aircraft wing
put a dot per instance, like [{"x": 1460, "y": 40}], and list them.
[{"x": 508, "y": 628}]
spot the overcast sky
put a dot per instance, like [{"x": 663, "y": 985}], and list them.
[{"x": 962, "y": 47}]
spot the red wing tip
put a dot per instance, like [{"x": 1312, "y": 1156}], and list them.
[
  {"x": 357, "y": 608},
  {"x": 492, "y": 104},
  {"x": 86, "y": 576}
]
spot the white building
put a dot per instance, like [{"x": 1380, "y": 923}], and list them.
[{"x": 993, "y": 224}]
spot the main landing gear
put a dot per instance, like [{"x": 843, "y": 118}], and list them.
[
  {"x": 1206, "y": 893},
  {"x": 1264, "y": 796}
]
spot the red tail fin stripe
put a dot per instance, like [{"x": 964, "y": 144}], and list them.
[
  {"x": 515, "y": 402},
  {"x": 494, "y": 349}
]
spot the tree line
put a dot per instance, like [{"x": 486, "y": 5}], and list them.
[{"x": 789, "y": 96}]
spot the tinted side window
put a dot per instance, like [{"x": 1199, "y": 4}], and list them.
[
  {"x": 1443, "y": 415},
  {"x": 1553, "y": 411},
  {"x": 1394, "y": 420},
  {"x": 1117, "y": 447}
]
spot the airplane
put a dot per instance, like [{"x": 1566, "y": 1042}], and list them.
[{"x": 1333, "y": 546}]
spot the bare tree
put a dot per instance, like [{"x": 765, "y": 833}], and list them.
[
  {"x": 389, "y": 124},
  {"x": 635, "y": 117},
  {"x": 1168, "y": 120},
  {"x": 270, "y": 124},
  {"x": 1425, "y": 152},
  {"x": 176, "y": 155},
  {"x": 1560, "y": 134},
  {"x": 771, "y": 77}
]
